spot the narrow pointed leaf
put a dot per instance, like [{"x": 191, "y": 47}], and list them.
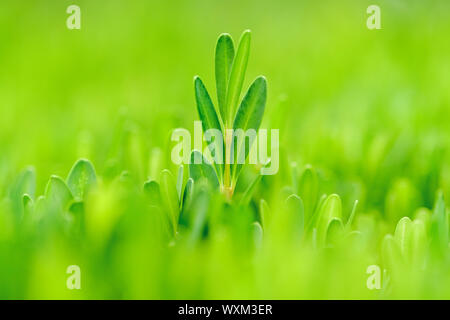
[
  {"x": 203, "y": 169},
  {"x": 237, "y": 75},
  {"x": 180, "y": 181},
  {"x": 248, "y": 117},
  {"x": 224, "y": 61},
  {"x": 210, "y": 121}
]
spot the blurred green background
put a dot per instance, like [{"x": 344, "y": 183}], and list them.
[{"x": 368, "y": 108}]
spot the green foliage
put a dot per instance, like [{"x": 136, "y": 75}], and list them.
[
  {"x": 237, "y": 76},
  {"x": 362, "y": 119},
  {"x": 230, "y": 73},
  {"x": 224, "y": 61}
]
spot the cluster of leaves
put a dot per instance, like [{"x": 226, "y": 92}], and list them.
[
  {"x": 228, "y": 117},
  {"x": 187, "y": 215},
  {"x": 63, "y": 200}
]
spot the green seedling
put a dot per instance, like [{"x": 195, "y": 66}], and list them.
[{"x": 232, "y": 113}]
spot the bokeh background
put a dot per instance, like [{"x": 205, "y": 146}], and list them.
[{"x": 368, "y": 108}]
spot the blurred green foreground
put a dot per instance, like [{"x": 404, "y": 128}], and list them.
[{"x": 363, "y": 115}]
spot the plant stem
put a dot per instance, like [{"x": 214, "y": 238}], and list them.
[{"x": 228, "y": 190}]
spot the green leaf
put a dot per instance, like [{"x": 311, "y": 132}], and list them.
[
  {"x": 419, "y": 242},
  {"x": 308, "y": 189},
  {"x": 335, "y": 231},
  {"x": 27, "y": 205},
  {"x": 24, "y": 184},
  {"x": 81, "y": 178},
  {"x": 180, "y": 181},
  {"x": 248, "y": 117},
  {"x": 77, "y": 214},
  {"x": 424, "y": 215},
  {"x": 188, "y": 193},
  {"x": 439, "y": 226},
  {"x": 331, "y": 208},
  {"x": 264, "y": 212},
  {"x": 296, "y": 213},
  {"x": 199, "y": 213},
  {"x": 169, "y": 198},
  {"x": 186, "y": 202},
  {"x": 152, "y": 192},
  {"x": 210, "y": 120},
  {"x": 57, "y": 193},
  {"x": 403, "y": 237},
  {"x": 224, "y": 61},
  {"x": 312, "y": 224},
  {"x": 352, "y": 215},
  {"x": 237, "y": 76},
  {"x": 203, "y": 169},
  {"x": 257, "y": 232}
]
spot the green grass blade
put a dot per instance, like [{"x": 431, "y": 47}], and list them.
[
  {"x": 224, "y": 60},
  {"x": 237, "y": 75},
  {"x": 202, "y": 170},
  {"x": 81, "y": 178},
  {"x": 249, "y": 116}
]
